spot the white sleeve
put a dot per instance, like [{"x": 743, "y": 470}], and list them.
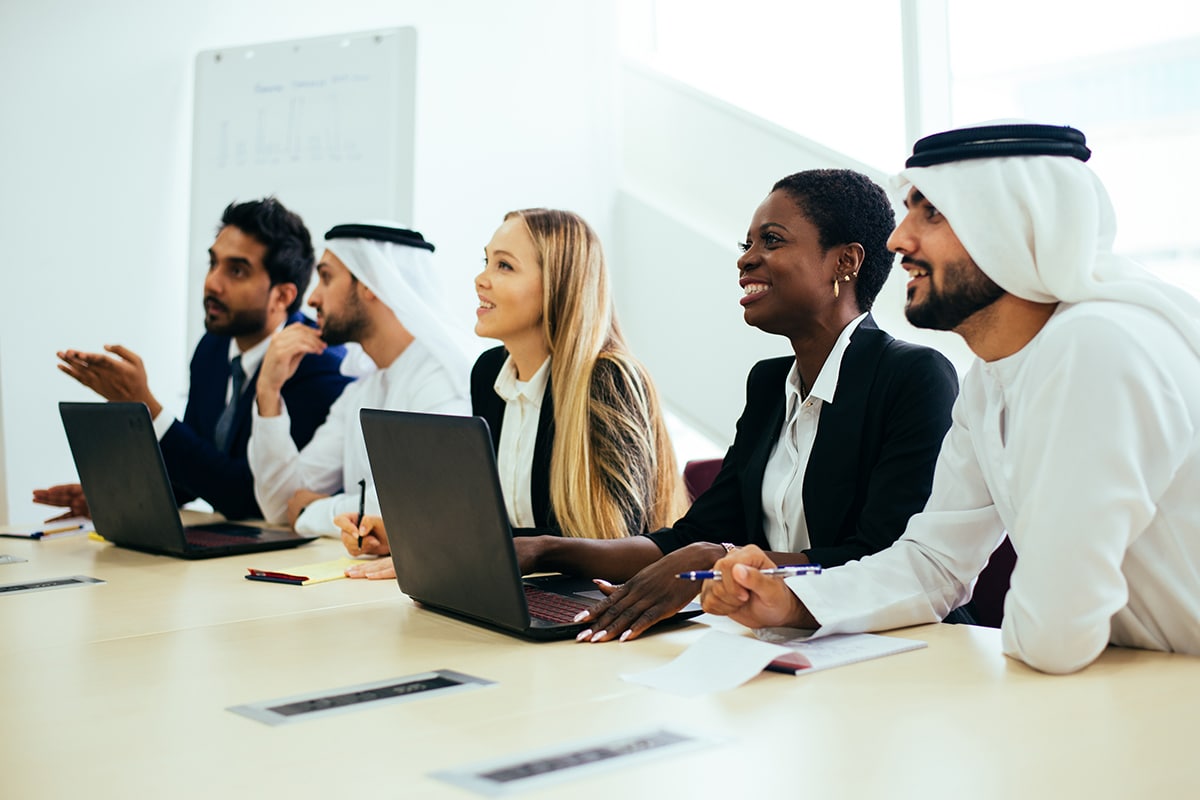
[
  {"x": 162, "y": 423},
  {"x": 429, "y": 389},
  {"x": 317, "y": 517},
  {"x": 931, "y": 569},
  {"x": 1104, "y": 433},
  {"x": 280, "y": 471},
  {"x": 1096, "y": 437}
]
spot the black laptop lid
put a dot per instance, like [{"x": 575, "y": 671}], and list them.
[
  {"x": 123, "y": 476},
  {"x": 445, "y": 516}
]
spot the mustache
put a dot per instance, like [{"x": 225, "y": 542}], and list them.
[
  {"x": 916, "y": 262},
  {"x": 208, "y": 298}
]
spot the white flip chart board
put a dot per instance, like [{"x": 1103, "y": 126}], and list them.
[{"x": 325, "y": 124}]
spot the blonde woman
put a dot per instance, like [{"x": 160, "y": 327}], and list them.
[{"x": 581, "y": 447}]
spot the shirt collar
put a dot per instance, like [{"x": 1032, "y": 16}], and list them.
[
  {"x": 509, "y": 388},
  {"x": 254, "y": 356},
  {"x": 825, "y": 386}
]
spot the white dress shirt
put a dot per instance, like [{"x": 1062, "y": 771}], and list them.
[
  {"x": 336, "y": 457},
  {"x": 518, "y": 436},
  {"x": 783, "y": 480},
  {"x": 1085, "y": 447}
]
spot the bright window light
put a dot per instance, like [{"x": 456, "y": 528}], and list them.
[
  {"x": 829, "y": 71},
  {"x": 1129, "y": 78}
]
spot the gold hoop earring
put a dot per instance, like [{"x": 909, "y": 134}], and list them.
[{"x": 836, "y": 289}]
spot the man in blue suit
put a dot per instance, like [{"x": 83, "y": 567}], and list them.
[{"x": 259, "y": 265}]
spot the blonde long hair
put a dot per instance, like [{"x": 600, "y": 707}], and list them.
[{"x": 613, "y": 470}]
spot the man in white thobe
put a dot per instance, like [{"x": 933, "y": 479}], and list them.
[
  {"x": 1077, "y": 430},
  {"x": 376, "y": 288}
]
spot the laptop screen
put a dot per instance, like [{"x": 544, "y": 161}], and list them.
[
  {"x": 444, "y": 512},
  {"x": 121, "y": 469}
]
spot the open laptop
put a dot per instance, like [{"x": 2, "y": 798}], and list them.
[
  {"x": 448, "y": 528},
  {"x": 126, "y": 485}
]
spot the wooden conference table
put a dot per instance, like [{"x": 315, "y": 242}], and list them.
[{"x": 120, "y": 690}]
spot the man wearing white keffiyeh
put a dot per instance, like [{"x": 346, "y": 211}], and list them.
[
  {"x": 1077, "y": 430},
  {"x": 377, "y": 289}
]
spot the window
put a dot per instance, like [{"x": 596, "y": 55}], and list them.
[
  {"x": 829, "y": 71},
  {"x": 1129, "y": 79}
]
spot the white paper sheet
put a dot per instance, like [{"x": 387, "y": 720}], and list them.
[{"x": 716, "y": 663}]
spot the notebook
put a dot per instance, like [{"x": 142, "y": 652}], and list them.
[
  {"x": 126, "y": 485},
  {"x": 305, "y": 575},
  {"x": 442, "y": 505},
  {"x": 721, "y": 660},
  {"x": 835, "y": 650}
]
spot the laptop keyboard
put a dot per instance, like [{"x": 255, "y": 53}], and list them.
[
  {"x": 552, "y": 607},
  {"x": 198, "y": 537}
]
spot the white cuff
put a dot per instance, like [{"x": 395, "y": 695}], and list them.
[{"x": 162, "y": 423}]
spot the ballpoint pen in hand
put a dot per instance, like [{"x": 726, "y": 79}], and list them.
[
  {"x": 362, "y": 507},
  {"x": 773, "y": 572}
]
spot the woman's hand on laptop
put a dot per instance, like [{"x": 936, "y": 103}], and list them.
[
  {"x": 367, "y": 537},
  {"x": 529, "y": 552},
  {"x": 650, "y": 596}
]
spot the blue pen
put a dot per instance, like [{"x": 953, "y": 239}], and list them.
[{"x": 773, "y": 572}]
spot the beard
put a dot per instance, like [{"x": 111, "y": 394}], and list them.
[
  {"x": 965, "y": 291},
  {"x": 237, "y": 323},
  {"x": 349, "y": 326}
]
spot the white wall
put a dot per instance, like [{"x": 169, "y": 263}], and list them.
[
  {"x": 693, "y": 169},
  {"x": 515, "y": 107}
]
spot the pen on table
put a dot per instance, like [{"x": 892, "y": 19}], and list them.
[
  {"x": 61, "y": 529},
  {"x": 362, "y": 507},
  {"x": 773, "y": 572}
]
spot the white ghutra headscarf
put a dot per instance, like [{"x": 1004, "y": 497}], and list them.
[
  {"x": 1042, "y": 227},
  {"x": 396, "y": 264}
]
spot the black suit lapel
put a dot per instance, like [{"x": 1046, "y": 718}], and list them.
[
  {"x": 206, "y": 395},
  {"x": 836, "y": 449},
  {"x": 484, "y": 400},
  {"x": 496, "y": 412},
  {"x": 543, "y": 447},
  {"x": 771, "y": 393}
]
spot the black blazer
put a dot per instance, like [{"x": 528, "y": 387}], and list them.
[
  {"x": 871, "y": 466},
  {"x": 489, "y": 405},
  {"x": 197, "y": 467}
]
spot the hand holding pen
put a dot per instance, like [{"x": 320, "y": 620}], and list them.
[
  {"x": 362, "y": 533},
  {"x": 362, "y": 507},
  {"x": 751, "y": 594},
  {"x": 374, "y": 537}
]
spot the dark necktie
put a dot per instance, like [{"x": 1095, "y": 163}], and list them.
[{"x": 224, "y": 427}]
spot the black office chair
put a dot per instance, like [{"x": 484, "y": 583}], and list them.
[{"x": 987, "y": 603}]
